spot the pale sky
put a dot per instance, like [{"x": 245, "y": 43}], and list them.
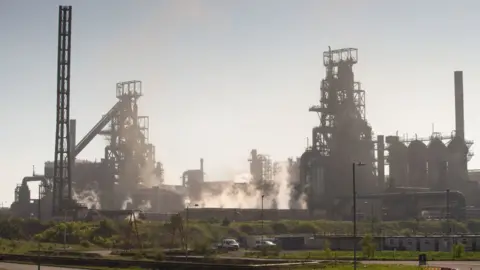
[{"x": 221, "y": 77}]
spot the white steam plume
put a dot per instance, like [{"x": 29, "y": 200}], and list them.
[
  {"x": 282, "y": 188},
  {"x": 243, "y": 193},
  {"x": 126, "y": 203},
  {"x": 89, "y": 198},
  {"x": 145, "y": 206}
]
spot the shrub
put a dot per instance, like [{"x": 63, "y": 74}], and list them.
[
  {"x": 458, "y": 251},
  {"x": 368, "y": 247},
  {"x": 225, "y": 222},
  {"x": 326, "y": 248},
  {"x": 159, "y": 255},
  {"x": 85, "y": 243}
]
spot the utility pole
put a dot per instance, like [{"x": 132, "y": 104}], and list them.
[
  {"x": 447, "y": 216},
  {"x": 262, "y": 220},
  {"x": 354, "y": 165},
  {"x": 186, "y": 233},
  {"x": 40, "y": 221},
  {"x": 186, "y": 230}
]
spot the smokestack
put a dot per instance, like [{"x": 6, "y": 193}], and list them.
[
  {"x": 459, "y": 111},
  {"x": 201, "y": 168},
  {"x": 381, "y": 161}
]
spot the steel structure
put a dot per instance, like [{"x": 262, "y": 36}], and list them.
[
  {"x": 62, "y": 180},
  {"x": 193, "y": 181},
  {"x": 129, "y": 157},
  {"x": 343, "y": 136},
  {"x": 262, "y": 171}
]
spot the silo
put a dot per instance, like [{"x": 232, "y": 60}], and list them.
[
  {"x": 417, "y": 164},
  {"x": 457, "y": 163},
  {"x": 437, "y": 164},
  {"x": 398, "y": 161}
]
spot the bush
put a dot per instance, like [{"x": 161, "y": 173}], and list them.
[
  {"x": 159, "y": 255},
  {"x": 326, "y": 248},
  {"x": 226, "y": 222},
  {"x": 85, "y": 243},
  {"x": 458, "y": 251},
  {"x": 368, "y": 247},
  {"x": 138, "y": 256},
  {"x": 279, "y": 228}
]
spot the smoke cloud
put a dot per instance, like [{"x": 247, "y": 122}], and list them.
[
  {"x": 89, "y": 198},
  {"x": 243, "y": 192}
]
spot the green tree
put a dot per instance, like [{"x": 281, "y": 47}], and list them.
[
  {"x": 326, "y": 248},
  {"x": 458, "y": 251},
  {"x": 176, "y": 228},
  {"x": 368, "y": 246}
]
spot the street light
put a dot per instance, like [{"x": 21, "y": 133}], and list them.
[
  {"x": 263, "y": 196},
  {"x": 186, "y": 229},
  {"x": 354, "y": 194}
]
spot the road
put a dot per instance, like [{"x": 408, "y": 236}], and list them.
[
  {"x": 14, "y": 266},
  {"x": 451, "y": 264},
  {"x": 464, "y": 265}
]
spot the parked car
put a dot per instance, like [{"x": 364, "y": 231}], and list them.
[
  {"x": 229, "y": 244},
  {"x": 260, "y": 244}
]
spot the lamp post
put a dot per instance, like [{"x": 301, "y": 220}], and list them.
[
  {"x": 186, "y": 229},
  {"x": 354, "y": 194},
  {"x": 263, "y": 196},
  {"x": 39, "y": 220}
]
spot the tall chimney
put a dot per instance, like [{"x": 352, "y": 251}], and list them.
[
  {"x": 459, "y": 111},
  {"x": 381, "y": 161},
  {"x": 201, "y": 169}
]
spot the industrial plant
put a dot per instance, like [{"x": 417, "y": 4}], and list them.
[{"x": 398, "y": 177}]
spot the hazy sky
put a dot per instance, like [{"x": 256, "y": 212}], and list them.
[{"x": 221, "y": 77}]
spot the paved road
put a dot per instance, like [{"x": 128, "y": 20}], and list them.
[
  {"x": 465, "y": 265},
  {"x": 451, "y": 264},
  {"x": 14, "y": 266}
]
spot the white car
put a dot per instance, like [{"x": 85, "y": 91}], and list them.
[
  {"x": 264, "y": 244},
  {"x": 229, "y": 244}
]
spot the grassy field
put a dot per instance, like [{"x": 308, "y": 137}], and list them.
[
  {"x": 372, "y": 267},
  {"x": 349, "y": 266},
  {"x": 20, "y": 247},
  {"x": 379, "y": 255}
]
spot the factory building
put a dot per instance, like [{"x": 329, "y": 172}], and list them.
[{"x": 424, "y": 174}]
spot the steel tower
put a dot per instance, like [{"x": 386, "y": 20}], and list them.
[{"x": 62, "y": 181}]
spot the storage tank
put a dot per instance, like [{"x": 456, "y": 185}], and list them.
[
  {"x": 457, "y": 163},
  {"x": 397, "y": 160},
  {"x": 417, "y": 164},
  {"x": 437, "y": 164}
]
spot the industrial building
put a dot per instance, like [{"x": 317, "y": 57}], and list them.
[{"x": 426, "y": 176}]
